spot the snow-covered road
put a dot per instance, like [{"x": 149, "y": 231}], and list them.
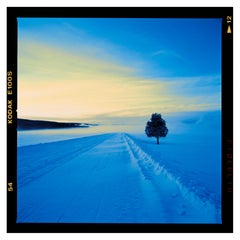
[{"x": 105, "y": 178}]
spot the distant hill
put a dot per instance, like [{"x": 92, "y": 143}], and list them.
[{"x": 26, "y": 124}]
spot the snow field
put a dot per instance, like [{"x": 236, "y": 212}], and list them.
[
  {"x": 170, "y": 187},
  {"x": 105, "y": 178},
  {"x": 104, "y": 190},
  {"x": 37, "y": 160}
]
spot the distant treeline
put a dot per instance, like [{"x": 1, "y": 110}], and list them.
[{"x": 26, "y": 124}]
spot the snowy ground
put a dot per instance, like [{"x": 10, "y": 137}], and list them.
[{"x": 120, "y": 177}]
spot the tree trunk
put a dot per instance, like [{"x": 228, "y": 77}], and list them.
[{"x": 157, "y": 140}]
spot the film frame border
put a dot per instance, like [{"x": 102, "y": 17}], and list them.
[{"x": 225, "y": 13}]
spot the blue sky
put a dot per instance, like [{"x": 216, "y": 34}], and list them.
[{"x": 138, "y": 65}]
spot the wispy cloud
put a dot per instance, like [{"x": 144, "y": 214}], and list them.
[
  {"x": 160, "y": 52},
  {"x": 54, "y": 82},
  {"x": 168, "y": 53}
]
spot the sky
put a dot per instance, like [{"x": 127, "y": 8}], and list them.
[{"x": 76, "y": 68}]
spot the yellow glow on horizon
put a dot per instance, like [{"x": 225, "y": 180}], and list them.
[{"x": 56, "y": 83}]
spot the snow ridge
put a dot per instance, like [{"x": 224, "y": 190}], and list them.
[{"x": 157, "y": 174}]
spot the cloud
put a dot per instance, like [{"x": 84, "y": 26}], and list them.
[
  {"x": 48, "y": 61},
  {"x": 160, "y": 52},
  {"x": 201, "y": 86},
  {"x": 55, "y": 82},
  {"x": 169, "y": 54}
]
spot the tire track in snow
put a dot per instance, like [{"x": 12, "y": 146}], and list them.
[
  {"x": 118, "y": 182},
  {"x": 151, "y": 174},
  {"x": 37, "y": 160},
  {"x": 173, "y": 191}
]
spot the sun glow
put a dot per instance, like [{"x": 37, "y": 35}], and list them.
[
  {"x": 72, "y": 74},
  {"x": 55, "y": 83}
]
